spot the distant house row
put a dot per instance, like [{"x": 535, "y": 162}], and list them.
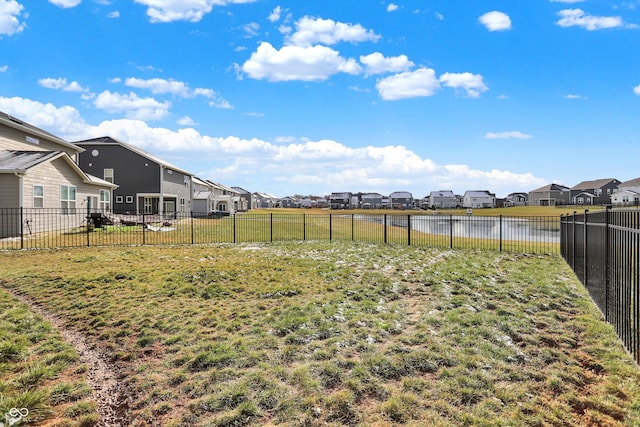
[
  {"x": 595, "y": 192},
  {"x": 41, "y": 170}
]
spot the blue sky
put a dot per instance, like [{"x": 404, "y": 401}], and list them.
[{"x": 310, "y": 97}]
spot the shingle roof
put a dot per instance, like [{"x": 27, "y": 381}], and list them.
[
  {"x": 596, "y": 183},
  {"x": 19, "y": 161},
  {"x": 110, "y": 140},
  {"x": 551, "y": 187},
  {"x": 631, "y": 183}
]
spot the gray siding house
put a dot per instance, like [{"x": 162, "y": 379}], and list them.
[
  {"x": 550, "y": 195},
  {"x": 38, "y": 172},
  {"x": 340, "y": 200},
  {"x": 596, "y": 192},
  {"x": 266, "y": 200},
  {"x": 146, "y": 184},
  {"x": 517, "y": 199},
  {"x": 401, "y": 200},
  {"x": 372, "y": 201},
  {"x": 210, "y": 197}
]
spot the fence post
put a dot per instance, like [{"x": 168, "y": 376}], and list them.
[
  {"x": 586, "y": 252},
  {"x": 408, "y": 229},
  {"x": 607, "y": 261},
  {"x": 330, "y": 227},
  {"x": 384, "y": 224},
  {"x": 500, "y": 233},
  {"x": 192, "y": 230},
  {"x": 144, "y": 229},
  {"x": 352, "y": 226},
  {"x": 304, "y": 227},
  {"x": 271, "y": 227},
  {"x": 234, "y": 228},
  {"x": 573, "y": 245},
  {"x": 21, "y": 227},
  {"x": 88, "y": 218},
  {"x": 450, "y": 231}
]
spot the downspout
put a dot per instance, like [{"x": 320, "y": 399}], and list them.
[
  {"x": 161, "y": 200},
  {"x": 20, "y": 176}
]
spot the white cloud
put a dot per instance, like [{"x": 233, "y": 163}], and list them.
[
  {"x": 65, "y": 3},
  {"x": 566, "y": 1},
  {"x": 578, "y": 18},
  {"x": 310, "y": 31},
  {"x": 182, "y": 10},
  {"x": 292, "y": 164},
  {"x": 62, "y": 84},
  {"x": 507, "y": 135},
  {"x": 221, "y": 103},
  {"x": 472, "y": 84},
  {"x": 114, "y": 14},
  {"x": 376, "y": 63},
  {"x": 162, "y": 86},
  {"x": 62, "y": 121},
  {"x": 252, "y": 29},
  {"x": 392, "y": 7},
  {"x": 275, "y": 14},
  {"x": 10, "y": 16},
  {"x": 636, "y": 90},
  {"x": 4, "y": 68},
  {"x": 574, "y": 96},
  {"x": 132, "y": 105},
  {"x": 410, "y": 84},
  {"x": 158, "y": 86},
  {"x": 186, "y": 121},
  {"x": 314, "y": 63},
  {"x": 496, "y": 21}
]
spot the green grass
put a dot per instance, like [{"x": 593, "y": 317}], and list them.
[
  {"x": 297, "y": 225},
  {"x": 38, "y": 370},
  {"x": 340, "y": 333}
]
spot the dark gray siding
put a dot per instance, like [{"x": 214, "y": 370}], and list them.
[{"x": 132, "y": 172}]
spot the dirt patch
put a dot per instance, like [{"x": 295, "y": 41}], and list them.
[{"x": 104, "y": 378}]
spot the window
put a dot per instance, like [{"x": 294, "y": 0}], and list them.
[
  {"x": 182, "y": 203},
  {"x": 129, "y": 199},
  {"x": 105, "y": 200},
  {"x": 148, "y": 205},
  {"x": 67, "y": 199},
  {"x": 38, "y": 196},
  {"x": 119, "y": 199},
  {"x": 108, "y": 175}
]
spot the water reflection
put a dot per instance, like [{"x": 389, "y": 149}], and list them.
[{"x": 540, "y": 229}]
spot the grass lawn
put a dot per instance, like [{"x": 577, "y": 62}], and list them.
[{"x": 332, "y": 333}]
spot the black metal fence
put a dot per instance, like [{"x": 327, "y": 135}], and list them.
[
  {"x": 603, "y": 248},
  {"x": 55, "y": 228}
]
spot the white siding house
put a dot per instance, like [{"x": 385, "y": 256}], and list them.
[
  {"x": 38, "y": 172},
  {"x": 479, "y": 199}
]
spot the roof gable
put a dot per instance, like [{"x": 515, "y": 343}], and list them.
[
  {"x": 29, "y": 129},
  {"x": 551, "y": 187},
  {"x": 107, "y": 140}
]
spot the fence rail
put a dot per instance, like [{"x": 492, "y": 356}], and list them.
[
  {"x": 603, "y": 248},
  {"x": 55, "y": 228}
]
